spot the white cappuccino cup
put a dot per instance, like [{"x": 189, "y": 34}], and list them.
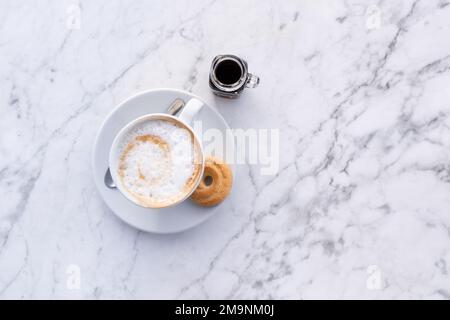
[{"x": 157, "y": 160}]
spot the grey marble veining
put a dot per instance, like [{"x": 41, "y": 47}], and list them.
[{"x": 359, "y": 90}]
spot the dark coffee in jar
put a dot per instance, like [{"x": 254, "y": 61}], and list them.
[
  {"x": 229, "y": 76},
  {"x": 228, "y": 72}
]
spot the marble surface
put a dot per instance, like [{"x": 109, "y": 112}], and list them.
[{"x": 360, "y": 92}]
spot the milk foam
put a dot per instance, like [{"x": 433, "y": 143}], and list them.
[{"x": 157, "y": 161}]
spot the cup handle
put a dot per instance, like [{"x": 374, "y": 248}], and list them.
[
  {"x": 252, "y": 81},
  {"x": 189, "y": 111}
]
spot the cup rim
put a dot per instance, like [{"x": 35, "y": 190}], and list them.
[{"x": 113, "y": 161}]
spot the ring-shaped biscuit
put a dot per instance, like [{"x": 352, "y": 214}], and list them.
[{"x": 215, "y": 184}]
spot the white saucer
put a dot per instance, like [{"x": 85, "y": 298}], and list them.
[{"x": 181, "y": 217}]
